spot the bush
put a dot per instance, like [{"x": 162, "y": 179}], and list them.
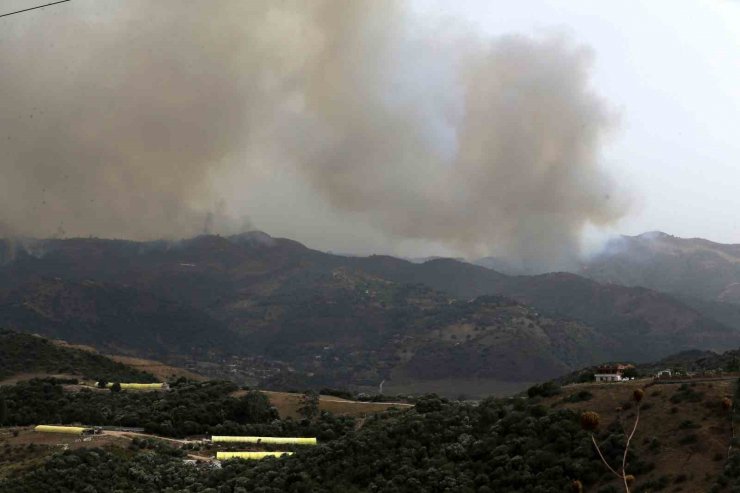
[
  {"x": 581, "y": 396},
  {"x": 655, "y": 484},
  {"x": 688, "y": 439},
  {"x": 686, "y": 394},
  {"x": 547, "y": 389},
  {"x": 688, "y": 425}
]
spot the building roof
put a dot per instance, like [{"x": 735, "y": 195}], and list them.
[
  {"x": 72, "y": 430},
  {"x": 613, "y": 368},
  {"x": 275, "y": 440},
  {"x": 249, "y": 455}
]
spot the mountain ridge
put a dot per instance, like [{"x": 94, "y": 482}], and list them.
[
  {"x": 379, "y": 316},
  {"x": 687, "y": 267}
]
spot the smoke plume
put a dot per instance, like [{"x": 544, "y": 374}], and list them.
[{"x": 143, "y": 120}]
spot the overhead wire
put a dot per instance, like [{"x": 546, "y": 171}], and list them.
[{"x": 33, "y": 8}]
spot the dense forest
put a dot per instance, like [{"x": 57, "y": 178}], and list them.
[
  {"x": 25, "y": 353},
  {"x": 518, "y": 444},
  {"x": 527, "y": 443},
  {"x": 498, "y": 445},
  {"x": 189, "y": 408}
]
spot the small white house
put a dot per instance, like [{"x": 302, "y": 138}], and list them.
[
  {"x": 613, "y": 373},
  {"x": 607, "y": 377}
]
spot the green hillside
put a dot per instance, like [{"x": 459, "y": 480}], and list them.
[
  {"x": 439, "y": 446},
  {"x": 534, "y": 445},
  {"x": 25, "y": 353},
  {"x": 282, "y": 314}
]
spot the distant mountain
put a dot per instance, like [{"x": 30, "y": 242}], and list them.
[
  {"x": 113, "y": 318},
  {"x": 348, "y": 327},
  {"x": 313, "y": 318},
  {"x": 650, "y": 324},
  {"x": 690, "y": 268},
  {"x": 505, "y": 266},
  {"x": 421, "y": 260}
]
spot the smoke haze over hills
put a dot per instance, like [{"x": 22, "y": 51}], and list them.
[{"x": 355, "y": 119}]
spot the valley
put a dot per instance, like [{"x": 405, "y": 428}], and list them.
[
  {"x": 441, "y": 365},
  {"x": 272, "y": 312}
]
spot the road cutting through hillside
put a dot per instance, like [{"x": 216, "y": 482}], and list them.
[{"x": 133, "y": 434}]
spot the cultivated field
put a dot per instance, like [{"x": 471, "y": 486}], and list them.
[
  {"x": 288, "y": 404},
  {"x": 21, "y": 448}
]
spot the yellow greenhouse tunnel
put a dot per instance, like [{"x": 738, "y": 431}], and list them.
[
  {"x": 139, "y": 386},
  {"x": 70, "y": 430},
  {"x": 249, "y": 455},
  {"x": 271, "y": 440}
]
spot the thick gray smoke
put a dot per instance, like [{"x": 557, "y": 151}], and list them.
[{"x": 148, "y": 119}]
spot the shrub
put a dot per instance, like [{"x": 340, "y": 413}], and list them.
[
  {"x": 590, "y": 420},
  {"x": 547, "y": 389},
  {"x": 688, "y": 439},
  {"x": 726, "y": 403},
  {"x": 688, "y": 425},
  {"x": 581, "y": 396}
]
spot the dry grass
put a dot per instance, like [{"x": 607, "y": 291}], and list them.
[
  {"x": 159, "y": 370},
  {"x": 686, "y": 441},
  {"x": 30, "y": 449},
  {"x": 288, "y": 404},
  {"x": 81, "y": 347},
  {"x": 27, "y": 436}
]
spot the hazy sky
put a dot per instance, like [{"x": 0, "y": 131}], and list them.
[
  {"x": 671, "y": 68},
  {"x": 368, "y": 127}
]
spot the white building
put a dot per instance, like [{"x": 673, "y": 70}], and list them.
[{"x": 613, "y": 373}]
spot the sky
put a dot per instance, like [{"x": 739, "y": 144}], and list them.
[
  {"x": 670, "y": 69},
  {"x": 415, "y": 128}
]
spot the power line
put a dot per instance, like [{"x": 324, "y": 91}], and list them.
[{"x": 33, "y": 8}]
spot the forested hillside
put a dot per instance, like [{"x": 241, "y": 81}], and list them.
[
  {"x": 498, "y": 445},
  {"x": 25, "y": 353},
  {"x": 291, "y": 317},
  {"x": 188, "y": 409},
  {"x": 439, "y": 446},
  {"x": 528, "y": 443},
  {"x": 114, "y": 318}
]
